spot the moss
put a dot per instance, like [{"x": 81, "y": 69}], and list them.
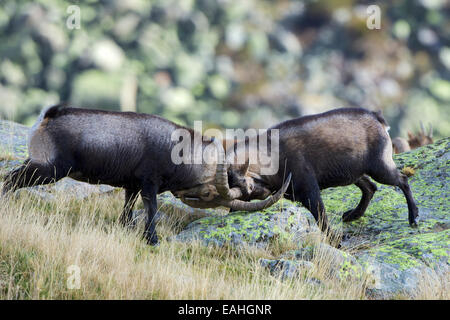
[
  {"x": 386, "y": 218},
  {"x": 277, "y": 223},
  {"x": 431, "y": 249},
  {"x": 249, "y": 226}
]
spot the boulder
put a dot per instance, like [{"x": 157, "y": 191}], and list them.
[
  {"x": 286, "y": 268},
  {"x": 337, "y": 263},
  {"x": 398, "y": 267},
  {"x": 68, "y": 187},
  {"x": 282, "y": 220}
]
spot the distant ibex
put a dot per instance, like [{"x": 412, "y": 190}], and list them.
[
  {"x": 414, "y": 141},
  {"x": 122, "y": 149},
  {"x": 335, "y": 148}
]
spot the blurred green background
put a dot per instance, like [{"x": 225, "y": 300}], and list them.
[{"x": 230, "y": 63}]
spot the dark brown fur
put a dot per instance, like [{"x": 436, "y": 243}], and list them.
[
  {"x": 335, "y": 148},
  {"x": 122, "y": 149}
]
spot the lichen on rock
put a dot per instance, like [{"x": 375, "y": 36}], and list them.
[{"x": 282, "y": 220}]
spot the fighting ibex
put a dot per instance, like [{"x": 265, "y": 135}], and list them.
[{"x": 122, "y": 149}]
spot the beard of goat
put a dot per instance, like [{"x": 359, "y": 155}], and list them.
[
  {"x": 336, "y": 148},
  {"x": 123, "y": 149}
]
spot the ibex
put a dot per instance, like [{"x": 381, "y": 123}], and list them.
[
  {"x": 414, "y": 141},
  {"x": 422, "y": 138},
  {"x": 127, "y": 150},
  {"x": 335, "y": 148}
]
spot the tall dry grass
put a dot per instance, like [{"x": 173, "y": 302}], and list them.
[{"x": 40, "y": 239}]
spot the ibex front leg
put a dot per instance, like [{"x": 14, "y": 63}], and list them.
[
  {"x": 126, "y": 219},
  {"x": 148, "y": 194}
]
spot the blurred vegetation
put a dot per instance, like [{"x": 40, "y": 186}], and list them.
[{"x": 231, "y": 63}]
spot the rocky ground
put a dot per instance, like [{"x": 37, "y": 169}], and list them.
[{"x": 381, "y": 244}]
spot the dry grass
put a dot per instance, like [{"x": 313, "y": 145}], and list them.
[{"x": 39, "y": 240}]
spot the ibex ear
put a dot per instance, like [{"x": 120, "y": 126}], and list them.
[{"x": 410, "y": 135}]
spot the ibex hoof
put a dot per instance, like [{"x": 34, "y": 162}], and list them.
[
  {"x": 351, "y": 215},
  {"x": 152, "y": 241},
  {"x": 414, "y": 223}
]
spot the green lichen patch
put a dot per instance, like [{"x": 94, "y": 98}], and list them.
[
  {"x": 397, "y": 267},
  {"x": 386, "y": 218},
  {"x": 430, "y": 248},
  {"x": 394, "y": 257},
  {"x": 237, "y": 228}
]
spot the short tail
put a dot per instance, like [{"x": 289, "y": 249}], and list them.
[
  {"x": 379, "y": 116},
  {"x": 52, "y": 111},
  {"x": 47, "y": 113}
]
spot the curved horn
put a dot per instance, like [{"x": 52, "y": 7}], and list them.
[
  {"x": 221, "y": 182},
  {"x": 431, "y": 131},
  {"x": 240, "y": 205},
  {"x": 244, "y": 169}
]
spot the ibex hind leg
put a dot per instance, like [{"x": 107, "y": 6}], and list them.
[
  {"x": 31, "y": 174},
  {"x": 368, "y": 188},
  {"x": 387, "y": 173}
]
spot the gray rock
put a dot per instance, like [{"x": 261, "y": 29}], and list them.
[
  {"x": 13, "y": 139},
  {"x": 397, "y": 268},
  {"x": 339, "y": 263},
  {"x": 68, "y": 187},
  {"x": 254, "y": 228},
  {"x": 171, "y": 205},
  {"x": 286, "y": 269},
  {"x": 387, "y": 281},
  {"x": 139, "y": 217},
  {"x": 107, "y": 55}
]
